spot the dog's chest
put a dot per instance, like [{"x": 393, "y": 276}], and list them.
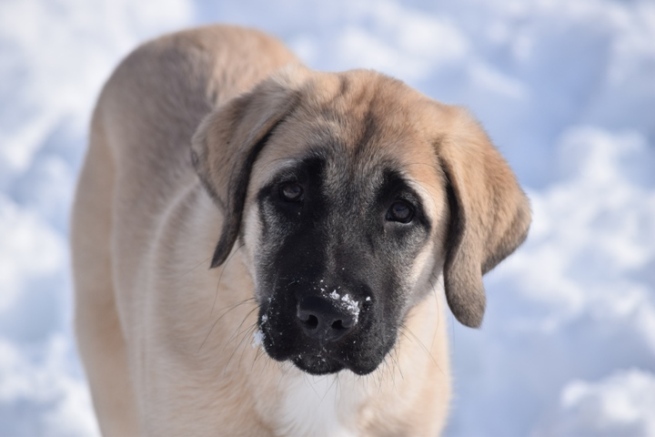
[{"x": 319, "y": 406}]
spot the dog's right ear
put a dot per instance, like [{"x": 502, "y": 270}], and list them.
[
  {"x": 489, "y": 213},
  {"x": 228, "y": 141}
]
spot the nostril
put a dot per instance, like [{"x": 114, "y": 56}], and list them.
[
  {"x": 308, "y": 319},
  {"x": 338, "y": 325},
  {"x": 311, "y": 322},
  {"x": 323, "y": 320},
  {"x": 342, "y": 325}
]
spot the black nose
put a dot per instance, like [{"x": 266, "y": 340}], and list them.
[{"x": 327, "y": 320}]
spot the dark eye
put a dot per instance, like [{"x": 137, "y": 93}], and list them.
[
  {"x": 291, "y": 192},
  {"x": 400, "y": 211}
]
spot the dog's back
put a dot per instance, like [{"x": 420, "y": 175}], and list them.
[{"x": 139, "y": 152}]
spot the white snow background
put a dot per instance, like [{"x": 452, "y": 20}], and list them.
[{"x": 566, "y": 89}]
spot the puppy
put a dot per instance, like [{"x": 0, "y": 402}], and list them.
[{"x": 336, "y": 211}]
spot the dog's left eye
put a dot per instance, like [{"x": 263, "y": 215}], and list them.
[
  {"x": 291, "y": 192},
  {"x": 400, "y": 211}
]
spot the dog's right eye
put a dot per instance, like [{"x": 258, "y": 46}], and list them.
[
  {"x": 400, "y": 211},
  {"x": 291, "y": 192}
]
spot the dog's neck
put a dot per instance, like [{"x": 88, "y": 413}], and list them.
[
  {"x": 345, "y": 404},
  {"x": 325, "y": 405}
]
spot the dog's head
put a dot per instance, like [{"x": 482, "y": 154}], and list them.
[{"x": 350, "y": 195}]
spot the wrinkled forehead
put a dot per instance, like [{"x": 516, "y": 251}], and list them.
[{"x": 359, "y": 134}]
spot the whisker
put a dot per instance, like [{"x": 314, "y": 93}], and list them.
[
  {"x": 196, "y": 266},
  {"x": 243, "y": 337},
  {"x": 248, "y": 334},
  {"x": 237, "y": 330},
  {"x": 220, "y": 276},
  {"x": 259, "y": 353},
  {"x": 394, "y": 358},
  {"x": 389, "y": 367},
  {"x": 406, "y": 331},
  {"x": 221, "y": 316},
  {"x": 334, "y": 381},
  {"x": 311, "y": 385},
  {"x": 220, "y": 279},
  {"x": 440, "y": 315}
]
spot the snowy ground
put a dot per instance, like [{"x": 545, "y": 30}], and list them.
[{"x": 565, "y": 88}]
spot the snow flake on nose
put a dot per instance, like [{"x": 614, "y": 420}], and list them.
[
  {"x": 346, "y": 302},
  {"x": 257, "y": 339},
  {"x": 343, "y": 301}
]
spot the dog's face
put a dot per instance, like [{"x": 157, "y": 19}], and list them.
[
  {"x": 352, "y": 195},
  {"x": 341, "y": 240}
]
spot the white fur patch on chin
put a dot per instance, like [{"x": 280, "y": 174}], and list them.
[{"x": 319, "y": 406}]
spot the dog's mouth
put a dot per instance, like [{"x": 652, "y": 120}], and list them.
[
  {"x": 362, "y": 352},
  {"x": 282, "y": 346},
  {"x": 317, "y": 364}
]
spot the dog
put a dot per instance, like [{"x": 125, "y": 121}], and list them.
[{"x": 260, "y": 249}]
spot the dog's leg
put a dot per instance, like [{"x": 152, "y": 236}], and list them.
[{"x": 99, "y": 335}]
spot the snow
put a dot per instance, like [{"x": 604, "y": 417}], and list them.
[
  {"x": 346, "y": 302},
  {"x": 620, "y": 404},
  {"x": 565, "y": 90},
  {"x": 257, "y": 339}
]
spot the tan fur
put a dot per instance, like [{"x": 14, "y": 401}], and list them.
[{"x": 166, "y": 342}]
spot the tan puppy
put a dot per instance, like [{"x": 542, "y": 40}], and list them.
[{"x": 336, "y": 209}]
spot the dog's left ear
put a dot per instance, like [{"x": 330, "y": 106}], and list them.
[
  {"x": 489, "y": 213},
  {"x": 227, "y": 143}
]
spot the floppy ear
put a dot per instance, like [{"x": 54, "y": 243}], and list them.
[
  {"x": 489, "y": 214},
  {"x": 226, "y": 145}
]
